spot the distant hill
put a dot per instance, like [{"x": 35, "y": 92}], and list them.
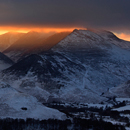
[
  {"x": 7, "y": 39},
  {"x": 33, "y": 42},
  {"x": 48, "y": 43},
  {"x": 27, "y": 41}
]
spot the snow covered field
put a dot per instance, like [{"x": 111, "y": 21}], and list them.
[
  {"x": 15, "y": 104},
  {"x": 127, "y": 107}
]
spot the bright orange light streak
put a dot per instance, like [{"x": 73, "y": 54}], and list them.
[
  {"x": 5, "y": 29},
  {"x": 123, "y": 36},
  {"x": 37, "y": 29}
]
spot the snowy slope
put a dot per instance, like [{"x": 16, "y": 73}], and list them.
[
  {"x": 103, "y": 55},
  {"x": 109, "y": 36},
  {"x": 107, "y": 65},
  {"x": 122, "y": 90},
  {"x": 85, "y": 39},
  {"x": 15, "y": 104}
]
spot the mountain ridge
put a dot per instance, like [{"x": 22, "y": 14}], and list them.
[{"x": 82, "y": 65}]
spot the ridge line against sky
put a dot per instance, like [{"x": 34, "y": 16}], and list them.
[{"x": 110, "y": 15}]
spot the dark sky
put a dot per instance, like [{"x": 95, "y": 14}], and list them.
[{"x": 106, "y": 14}]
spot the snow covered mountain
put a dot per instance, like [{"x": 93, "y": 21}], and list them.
[
  {"x": 104, "y": 59},
  {"x": 15, "y": 104},
  {"x": 7, "y": 39},
  {"x": 80, "y": 68}
]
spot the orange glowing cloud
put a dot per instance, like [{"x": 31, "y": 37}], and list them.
[
  {"x": 5, "y": 29},
  {"x": 123, "y": 36},
  {"x": 38, "y": 29}
]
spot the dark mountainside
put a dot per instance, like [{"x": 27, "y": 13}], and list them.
[
  {"x": 5, "y": 59},
  {"x": 44, "y": 68}
]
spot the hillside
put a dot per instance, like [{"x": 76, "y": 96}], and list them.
[{"x": 15, "y": 104}]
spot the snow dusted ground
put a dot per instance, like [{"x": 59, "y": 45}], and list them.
[
  {"x": 122, "y": 108},
  {"x": 100, "y": 105},
  {"x": 125, "y": 115},
  {"x": 114, "y": 122},
  {"x": 15, "y": 104},
  {"x": 122, "y": 99}
]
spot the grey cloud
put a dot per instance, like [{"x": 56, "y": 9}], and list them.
[{"x": 85, "y": 13}]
